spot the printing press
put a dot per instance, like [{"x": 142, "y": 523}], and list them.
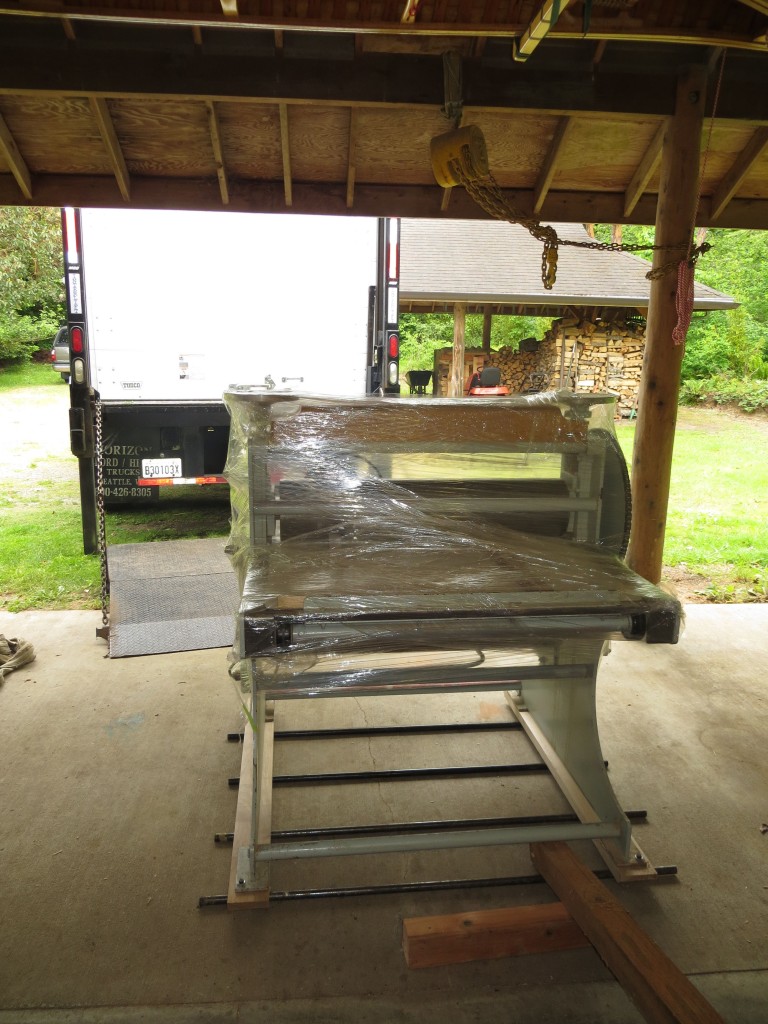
[{"x": 391, "y": 546}]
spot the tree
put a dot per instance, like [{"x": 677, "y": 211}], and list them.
[
  {"x": 422, "y": 333},
  {"x": 31, "y": 282},
  {"x": 731, "y": 341}
]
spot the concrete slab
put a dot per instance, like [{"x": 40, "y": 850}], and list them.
[{"x": 113, "y": 781}]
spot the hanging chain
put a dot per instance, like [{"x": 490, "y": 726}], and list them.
[
  {"x": 102, "y": 534},
  {"x": 488, "y": 195}
]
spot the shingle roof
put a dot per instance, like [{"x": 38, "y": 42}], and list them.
[{"x": 495, "y": 262}]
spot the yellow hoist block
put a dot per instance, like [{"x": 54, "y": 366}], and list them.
[{"x": 464, "y": 149}]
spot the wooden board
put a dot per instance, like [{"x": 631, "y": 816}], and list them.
[
  {"x": 658, "y": 988},
  {"x": 255, "y": 899},
  {"x": 489, "y": 934}
]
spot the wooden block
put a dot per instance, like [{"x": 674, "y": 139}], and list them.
[
  {"x": 489, "y": 934},
  {"x": 658, "y": 988}
]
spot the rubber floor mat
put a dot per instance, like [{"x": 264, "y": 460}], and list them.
[{"x": 170, "y": 596}]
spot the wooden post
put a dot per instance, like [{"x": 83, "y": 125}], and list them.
[
  {"x": 456, "y": 386},
  {"x": 660, "y": 382},
  {"x": 487, "y": 320}
]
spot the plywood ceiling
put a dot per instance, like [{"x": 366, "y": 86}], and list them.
[{"x": 322, "y": 106}]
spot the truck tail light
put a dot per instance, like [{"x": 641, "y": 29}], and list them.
[
  {"x": 76, "y": 340},
  {"x": 394, "y": 346},
  {"x": 78, "y": 370},
  {"x": 392, "y": 373}
]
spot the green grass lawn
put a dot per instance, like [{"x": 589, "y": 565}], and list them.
[
  {"x": 717, "y": 530},
  {"x": 718, "y": 517},
  {"x": 27, "y": 375}
]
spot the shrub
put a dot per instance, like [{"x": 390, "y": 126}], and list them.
[
  {"x": 722, "y": 389},
  {"x": 22, "y": 336}
]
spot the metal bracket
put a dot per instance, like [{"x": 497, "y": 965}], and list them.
[{"x": 250, "y": 876}]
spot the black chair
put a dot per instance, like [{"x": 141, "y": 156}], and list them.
[{"x": 490, "y": 377}]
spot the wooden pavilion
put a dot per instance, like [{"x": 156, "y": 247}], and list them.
[{"x": 620, "y": 111}]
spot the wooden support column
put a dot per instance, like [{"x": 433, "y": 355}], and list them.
[
  {"x": 487, "y": 322},
  {"x": 456, "y": 386},
  {"x": 660, "y": 382}
]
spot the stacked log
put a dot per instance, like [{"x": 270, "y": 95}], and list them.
[
  {"x": 598, "y": 357},
  {"x": 602, "y": 356},
  {"x": 516, "y": 367}
]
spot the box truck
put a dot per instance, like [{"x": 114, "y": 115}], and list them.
[{"x": 166, "y": 309}]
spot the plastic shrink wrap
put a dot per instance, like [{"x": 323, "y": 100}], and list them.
[{"x": 414, "y": 543}]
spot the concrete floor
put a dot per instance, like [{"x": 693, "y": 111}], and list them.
[{"x": 113, "y": 781}]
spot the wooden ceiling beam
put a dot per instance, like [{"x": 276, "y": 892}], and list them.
[
  {"x": 218, "y": 151},
  {"x": 738, "y": 171},
  {"x": 381, "y": 80},
  {"x": 351, "y": 158},
  {"x": 112, "y": 145},
  {"x": 68, "y": 29},
  {"x": 600, "y": 27},
  {"x": 229, "y": 8},
  {"x": 15, "y": 161},
  {"x": 547, "y": 173},
  {"x": 645, "y": 171},
  {"x": 285, "y": 149},
  {"x": 393, "y": 200},
  {"x": 539, "y": 27}
]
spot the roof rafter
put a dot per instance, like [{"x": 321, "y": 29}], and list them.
[
  {"x": 218, "y": 152},
  {"x": 15, "y": 160},
  {"x": 351, "y": 158},
  {"x": 645, "y": 171},
  {"x": 285, "y": 148},
  {"x": 112, "y": 144},
  {"x": 547, "y": 173},
  {"x": 738, "y": 171}
]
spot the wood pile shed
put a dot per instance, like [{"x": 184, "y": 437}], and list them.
[{"x": 596, "y": 310}]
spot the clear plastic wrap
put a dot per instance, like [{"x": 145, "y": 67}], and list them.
[{"x": 408, "y": 541}]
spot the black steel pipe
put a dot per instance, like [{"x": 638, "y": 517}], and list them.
[
  {"x": 403, "y": 774},
  {"x": 421, "y": 826},
  {"x": 401, "y": 888},
  {"x": 386, "y": 730}
]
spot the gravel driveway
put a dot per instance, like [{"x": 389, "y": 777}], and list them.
[{"x": 34, "y": 425}]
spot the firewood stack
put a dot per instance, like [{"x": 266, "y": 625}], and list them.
[
  {"x": 602, "y": 356},
  {"x": 607, "y": 356}
]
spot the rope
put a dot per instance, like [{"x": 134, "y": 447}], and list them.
[
  {"x": 683, "y": 300},
  {"x": 14, "y": 653}
]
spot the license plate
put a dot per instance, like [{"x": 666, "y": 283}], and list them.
[{"x": 154, "y": 469}]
